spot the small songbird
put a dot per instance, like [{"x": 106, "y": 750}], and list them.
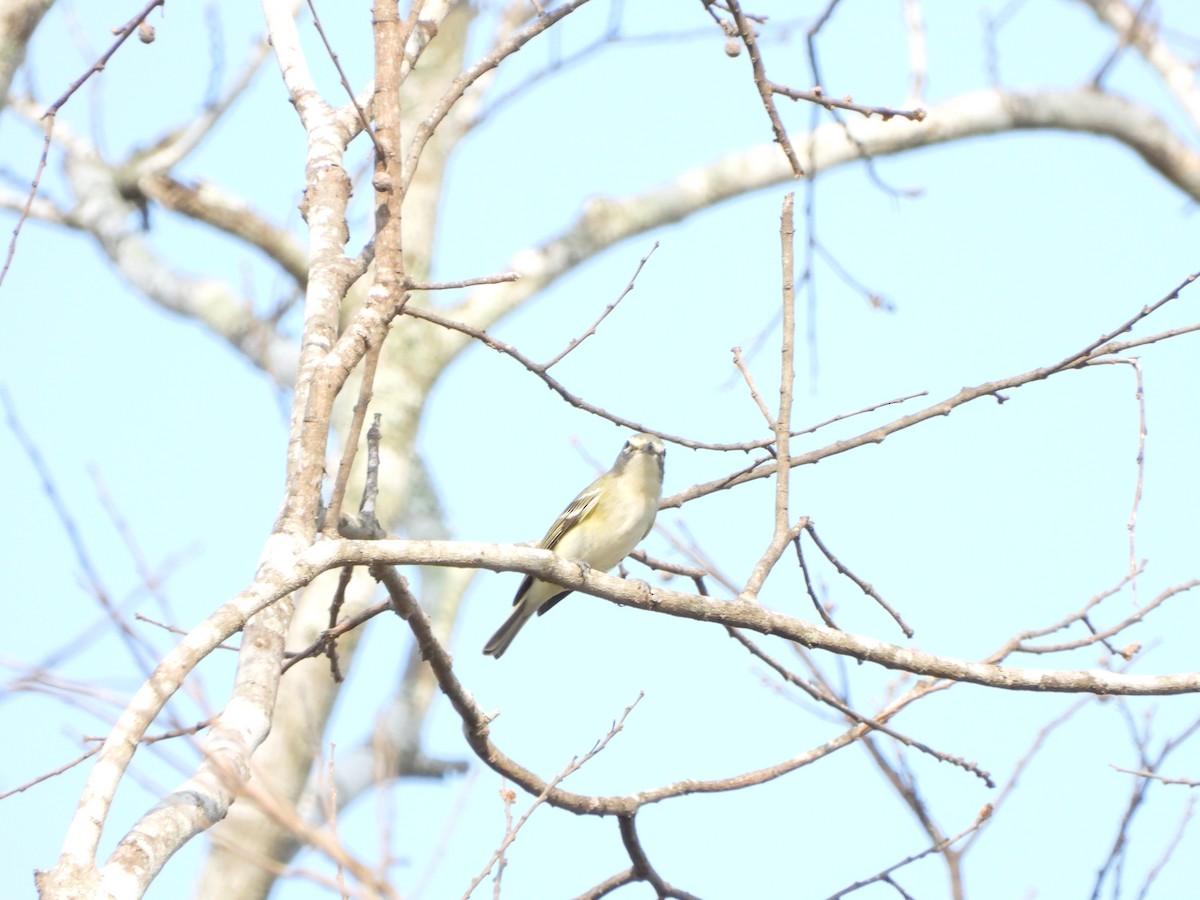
[{"x": 600, "y": 527}]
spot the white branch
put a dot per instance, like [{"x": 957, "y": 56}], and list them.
[
  {"x": 293, "y": 65},
  {"x": 205, "y": 797},
  {"x": 1178, "y": 75},
  {"x": 605, "y": 222}
]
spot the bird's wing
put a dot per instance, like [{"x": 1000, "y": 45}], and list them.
[
  {"x": 575, "y": 513},
  {"x": 578, "y": 510}
]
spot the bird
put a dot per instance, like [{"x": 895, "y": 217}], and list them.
[{"x": 600, "y": 527}]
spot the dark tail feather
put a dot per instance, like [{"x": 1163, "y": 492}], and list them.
[{"x": 505, "y": 633}]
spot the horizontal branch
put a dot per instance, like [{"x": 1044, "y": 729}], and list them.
[
  {"x": 606, "y": 221},
  {"x": 1099, "y": 350},
  {"x": 287, "y": 573},
  {"x": 738, "y": 614}
]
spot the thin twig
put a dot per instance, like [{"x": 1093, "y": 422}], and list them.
[
  {"x": 1103, "y": 346},
  {"x": 337, "y": 64},
  {"x": 1131, "y": 525},
  {"x": 1102, "y": 635},
  {"x": 140, "y": 651},
  {"x": 339, "y": 599},
  {"x": 740, "y": 362},
  {"x": 425, "y": 131},
  {"x": 122, "y": 34},
  {"x": 766, "y": 89},
  {"x": 858, "y": 412},
  {"x": 575, "y": 342},
  {"x": 938, "y": 847},
  {"x": 318, "y": 646},
  {"x": 1142, "y": 773},
  {"x": 65, "y": 767},
  {"x": 1169, "y": 850},
  {"x": 863, "y": 586},
  {"x": 500, "y": 278},
  {"x": 51, "y": 113},
  {"x": 365, "y": 388},
  {"x": 820, "y": 98},
  {"x": 508, "y": 350},
  {"x": 827, "y": 697},
  {"x": 1125, "y": 40},
  {"x": 175, "y": 629},
  {"x": 808, "y": 586},
  {"x": 573, "y": 766}
]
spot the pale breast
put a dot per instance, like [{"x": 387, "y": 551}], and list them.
[{"x": 627, "y": 516}]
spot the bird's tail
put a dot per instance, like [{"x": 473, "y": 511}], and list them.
[{"x": 504, "y": 635}]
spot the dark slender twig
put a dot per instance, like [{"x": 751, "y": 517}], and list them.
[
  {"x": 827, "y": 697},
  {"x": 341, "y": 628},
  {"x": 1103, "y": 639},
  {"x": 1096, "y": 635},
  {"x": 610, "y": 36},
  {"x": 46, "y": 776},
  {"x": 181, "y": 731},
  {"x": 508, "y": 350},
  {"x": 337, "y": 64},
  {"x": 1010, "y": 784},
  {"x": 808, "y": 586},
  {"x": 537, "y": 369},
  {"x": 1103, "y": 346},
  {"x": 150, "y": 579},
  {"x": 122, "y": 34},
  {"x": 468, "y": 77},
  {"x": 573, "y": 766},
  {"x": 862, "y": 585},
  {"x": 51, "y": 113},
  {"x": 174, "y": 629},
  {"x": 858, "y": 412},
  {"x": 149, "y": 739},
  {"x": 1125, "y": 40},
  {"x": 1169, "y": 849},
  {"x": 885, "y": 875},
  {"x": 1098, "y": 344},
  {"x": 339, "y": 599},
  {"x": 57, "y": 502},
  {"x": 834, "y": 108},
  {"x": 875, "y": 299},
  {"x": 766, "y": 88},
  {"x": 575, "y": 342},
  {"x": 1149, "y": 763},
  {"x": 820, "y": 98},
  {"x": 139, "y": 650},
  {"x": 33, "y": 189},
  {"x": 359, "y": 415}
]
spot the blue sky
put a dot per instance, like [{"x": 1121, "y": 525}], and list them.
[{"x": 1018, "y": 250}]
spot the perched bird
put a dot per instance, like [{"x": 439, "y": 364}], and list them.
[{"x": 600, "y": 527}]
